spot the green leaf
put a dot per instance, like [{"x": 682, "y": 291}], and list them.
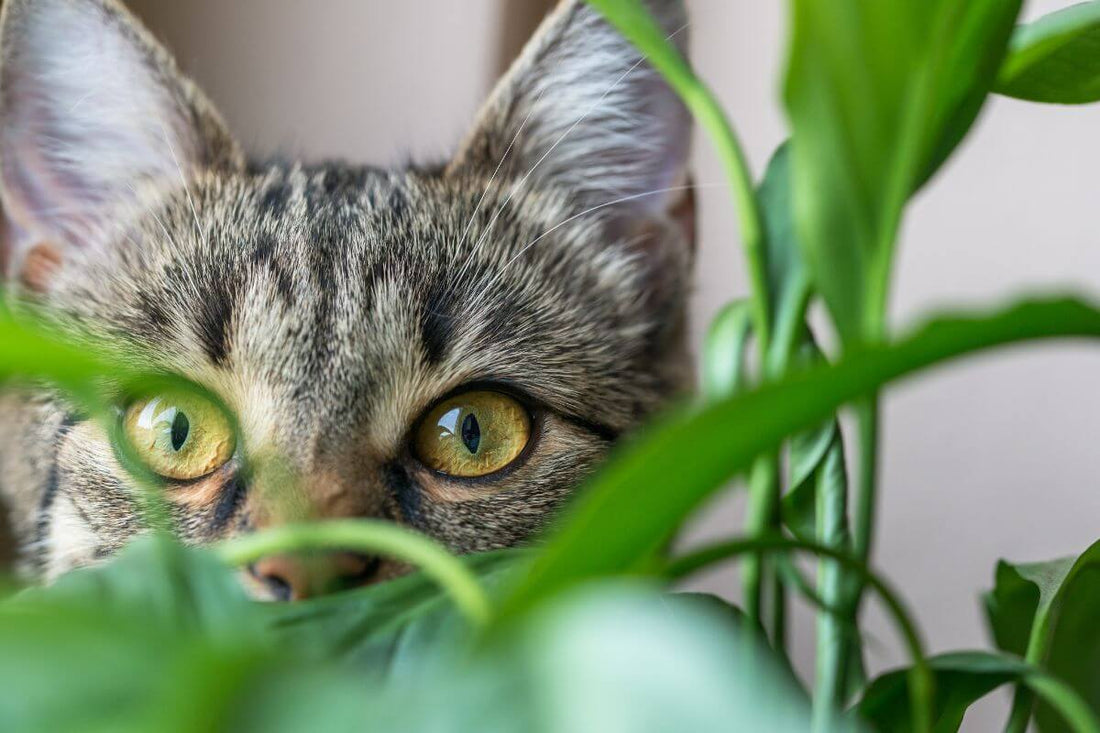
[
  {"x": 1048, "y": 611},
  {"x": 788, "y": 281},
  {"x": 1056, "y": 59},
  {"x": 698, "y": 451},
  {"x": 167, "y": 586},
  {"x": 394, "y": 628},
  {"x": 615, "y": 657},
  {"x": 878, "y": 94},
  {"x": 724, "y": 351},
  {"x": 962, "y": 678}
]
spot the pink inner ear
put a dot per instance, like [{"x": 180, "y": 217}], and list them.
[{"x": 40, "y": 263}]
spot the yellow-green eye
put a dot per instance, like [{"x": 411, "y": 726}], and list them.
[
  {"x": 178, "y": 434},
  {"x": 473, "y": 434}
]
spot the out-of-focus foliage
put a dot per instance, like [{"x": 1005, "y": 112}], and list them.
[
  {"x": 578, "y": 634},
  {"x": 1056, "y": 59}
]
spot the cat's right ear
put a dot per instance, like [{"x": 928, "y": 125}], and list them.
[
  {"x": 91, "y": 109},
  {"x": 583, "y": 111}
]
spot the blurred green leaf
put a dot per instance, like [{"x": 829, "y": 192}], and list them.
[
  {"x": 616, "y": 657},
  {"x": 393, "y": 628},
  {"x": 1056, "y": 59},
  {"x": 724, "y": 351},
  {"x": 699, "y": 451},
  {"x": 788, "y": 280},
  {"x": 1048, "y": 611},
  {"x": 878, "y": 94},
  {"x": 167, "y": 586}
]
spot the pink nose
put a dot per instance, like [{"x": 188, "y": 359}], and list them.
[{"x": 295, "y": 577}]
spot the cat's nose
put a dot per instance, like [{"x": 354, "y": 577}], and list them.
[{"x": 295, "y": 577}]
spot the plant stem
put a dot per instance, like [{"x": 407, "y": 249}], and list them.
[
  {"x": 760, "y": 519},
  {"x": 373, "y": 536},
  {"x": 1063, "y": 698},
  {"x": 833, "y": 643},
  {"x": 867, "y": 421},
  {"x": 1023, "y": 700}
]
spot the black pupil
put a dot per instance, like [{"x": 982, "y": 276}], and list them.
[
  {"x": 181, "y": 426},
  {"x": 471, "y": 433}
]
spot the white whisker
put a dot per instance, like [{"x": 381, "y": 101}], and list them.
[
  {"x": 500, "y": 274},
  {"x": 183, "y": 181}
]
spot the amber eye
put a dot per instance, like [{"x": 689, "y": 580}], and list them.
[
  {"x": 473, "y": 434},
  {"x": 179, "y": 435}
]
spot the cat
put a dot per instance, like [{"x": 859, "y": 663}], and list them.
[{"x": 453, "y": 348}]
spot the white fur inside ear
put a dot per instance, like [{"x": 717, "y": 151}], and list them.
[
  {"x": 86, "y": 114},
  {"x": 69, "y": 543},
  {"x": 589, "y": 114}
]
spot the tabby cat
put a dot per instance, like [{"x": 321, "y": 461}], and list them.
[{"x": 450, "y": 347}]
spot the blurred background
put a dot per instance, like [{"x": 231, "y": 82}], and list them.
[{"x": 995, "y": 457}]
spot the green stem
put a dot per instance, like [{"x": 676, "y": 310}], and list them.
[
  {"x": 867, "y": 421},
  {"x": 1023, "y": 700},
  {"x": 760, "y": 519},
  {"x": 921, "y": 683},
  {"x": 1063, "y": 698},
  {"x": 833, "y": 639},
  {"x": 370, "y": 536}
]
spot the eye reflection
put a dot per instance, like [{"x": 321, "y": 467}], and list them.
[
  {"x": 179, "y": 434},
  {"x": 473, "y": 434}
]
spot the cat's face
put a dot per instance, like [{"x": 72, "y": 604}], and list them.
[{"x": 452, "y": 349}]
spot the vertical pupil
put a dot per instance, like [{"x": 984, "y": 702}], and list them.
[
  {"x": 471, "y": 433},
  {"x": 181, "y": 426}
]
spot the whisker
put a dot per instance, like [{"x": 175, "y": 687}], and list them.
[
  {"x": 477, "y": 208},
  {"x": 492, "y": 282},
  {"x": 183, "y": 181}
]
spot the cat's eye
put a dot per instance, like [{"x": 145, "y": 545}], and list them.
[
  {"x": 472, "y": 434},
  {"x": 178, "y": 434}
]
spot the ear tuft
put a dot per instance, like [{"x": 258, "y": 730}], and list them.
[
  {"x": 91, "y": 108},
  {"x": 580, "y": 109}
]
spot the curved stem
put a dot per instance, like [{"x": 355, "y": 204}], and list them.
[
  {"x": 921, "y": 680},
  {"x": 363, "y": 535},
  {"x": 1063, "y": 698},
  {"x": 1023, "y": 700}
]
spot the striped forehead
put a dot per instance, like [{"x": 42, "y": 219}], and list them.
[{"x": 354, "y": 296}]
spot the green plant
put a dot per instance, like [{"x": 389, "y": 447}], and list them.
[{"x": 582, "y": 633}]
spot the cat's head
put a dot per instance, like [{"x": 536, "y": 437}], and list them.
[{"x": 451, "y": 348}]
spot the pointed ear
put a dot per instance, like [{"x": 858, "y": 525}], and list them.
[
  {"x": 588, "y": 114},
  {"x": 91, "y": 108}
]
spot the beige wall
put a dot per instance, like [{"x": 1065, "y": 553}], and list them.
[{"x": 993, "y": 458}]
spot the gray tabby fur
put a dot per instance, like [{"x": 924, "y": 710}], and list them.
[{"x": 330, "y": 305}]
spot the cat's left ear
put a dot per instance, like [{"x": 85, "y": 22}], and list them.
[
  {"x": 91, "y": 109},
  {"x": 581, "y": 110}
]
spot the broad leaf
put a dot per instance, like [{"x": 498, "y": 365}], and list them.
[
  {"x": 962, "y": 678},
  {"x": 698, "y": 451},
  {"x": 610, "y": 658},
  {"x": 1055, "y": 59},
  {"x": 1050, "y": 610},
  {"x": 878, "y": 94}
]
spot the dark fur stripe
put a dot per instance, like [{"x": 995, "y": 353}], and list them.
[
  {"x": 49, "y": 492},
  {"x": 229, "y": 502}
]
